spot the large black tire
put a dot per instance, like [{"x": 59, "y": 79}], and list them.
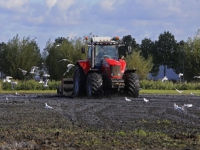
[
  {"x": 79, "y": 81},
  {"x": 94, "y": 85},
  {"x": 132, "y": 85}
]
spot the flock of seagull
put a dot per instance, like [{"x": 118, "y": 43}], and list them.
[
  {"x": 43, "y": 80},
  {"x": 176, "y": 107}
]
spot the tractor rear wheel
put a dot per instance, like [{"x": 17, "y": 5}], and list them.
[
  {"x": 94, "y": 85},
  {"x": 132, "y": 85},
  {"x": 79, "y": 81}
]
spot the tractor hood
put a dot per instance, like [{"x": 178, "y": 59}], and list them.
[{"x": 113, "y": 67}]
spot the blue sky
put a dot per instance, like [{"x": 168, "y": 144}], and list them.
[{"x": 49, "y": 19}]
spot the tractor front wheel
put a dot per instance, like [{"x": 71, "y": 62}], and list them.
[
  {"x": 79, "y": 81},
  {"x": 132, "y": 85},
  {"x": 94, "y": 85}
]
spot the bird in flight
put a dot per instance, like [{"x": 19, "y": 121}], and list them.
[
  {"x": 46, "y": 75},
  {"x": 164, "y": 79},
  {"x": 180, "y": 75},
  {"x": 41, "y": 80},
  {"x": 196, "y": 77},
  {"x": 179, "y": 91},
  {"x": 63, "y": 60},
  {"x": 33, "y": 69},
  {"x": 181, "y": 107},
  {"x": 7, "y": 79},
  {"x": 69, "y": 66},
  {"x": 45, "y": 83},
  {"x": 23, "y": 71}
]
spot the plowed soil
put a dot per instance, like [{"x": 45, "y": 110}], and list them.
[{"x": 101, "y": 123}]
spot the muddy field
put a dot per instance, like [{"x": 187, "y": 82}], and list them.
[{"x": 105, "y": 123}]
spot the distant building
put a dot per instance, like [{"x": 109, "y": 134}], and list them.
[{"x": 170, "y": 74}]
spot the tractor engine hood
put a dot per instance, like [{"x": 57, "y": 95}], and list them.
[{"x": 113, "y": 68}]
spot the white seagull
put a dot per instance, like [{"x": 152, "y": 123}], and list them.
[
  {"x": 6, "y": 98},
  {"x": 63, "y": 60},
  {"x": 46, "y": 75},
  {"x": 23, "y": 71},
  {"x": 146, "y": 100},
  {"x": 187, "y": 105},
  {"x": 47, "y": 106},
  {"x": 181, "y": 107},
  {"x": 164, "y": 79},
  {"x": 127, "y": 99},
  {"x": 45, "y": 83},
  {"x": 191, "y": 93},
  {"x": 69, "y": 66},
  {"x": 178, "y": 107},
  {"x": 196, "y": 77},
  {"x": 179, "y": 91},
  {"x": 7, "y": 79},
  {"x": 41, "y": 80},
  {"x": 33, "y": 69},
  {"x": 180, "y": 75}
]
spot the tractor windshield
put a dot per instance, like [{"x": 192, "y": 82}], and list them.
[
  {"x": 106, "y": 51},
  {"x": 103, "y": 51}
]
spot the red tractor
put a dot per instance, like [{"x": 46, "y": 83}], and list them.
[{"x": 103, "y": 71}]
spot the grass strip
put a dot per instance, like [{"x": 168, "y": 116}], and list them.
[{"x": 170, "y": 92}]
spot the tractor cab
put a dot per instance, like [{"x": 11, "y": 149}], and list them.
[
  {"x": 101, "y": 52},
  {"x": 101, "y": 48}
]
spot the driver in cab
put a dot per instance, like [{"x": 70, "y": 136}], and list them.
[{"x": 101, "y": 53}]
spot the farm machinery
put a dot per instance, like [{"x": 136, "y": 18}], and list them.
[{"x": 102, "y": 72}]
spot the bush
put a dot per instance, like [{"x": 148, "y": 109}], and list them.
[
  {"x": 0, "y": 85},
  {"x": 30, "y": 85},
  {"x": 167, "y": 85},
  {"x": 144, "y": 84}
]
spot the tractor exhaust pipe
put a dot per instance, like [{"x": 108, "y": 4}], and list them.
[{"x": 92, "y": 55}]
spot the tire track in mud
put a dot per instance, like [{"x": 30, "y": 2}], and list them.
[
  {"x": 114, "y": 111},
  {"x": 117, "y": 112}
]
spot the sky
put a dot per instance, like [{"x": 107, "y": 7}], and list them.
[{"x": 48, "y": 19}]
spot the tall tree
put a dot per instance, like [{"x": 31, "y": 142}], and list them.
[
  {"x": 129, "y": 41},
  {"x": 2, "y": 58},
  {"x": 20, "y": 53},
  {"x": 166, "y": 47},
  {"x": 148, "y": 50},
  {"x": 192, "y": 57},
  {"x": 70, "y": 50}
]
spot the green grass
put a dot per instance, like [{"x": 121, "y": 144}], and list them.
[{"x": 170, "y": 92}]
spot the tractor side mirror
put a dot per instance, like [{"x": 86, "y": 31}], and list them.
[
  {"x": 129, "y": 50},
  {"x": 83, "y": 49}
]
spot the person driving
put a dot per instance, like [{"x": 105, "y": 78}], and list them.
[{"x": 100, "y": 54}]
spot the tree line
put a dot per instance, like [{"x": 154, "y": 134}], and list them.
[{"x": 181, "y": 56}]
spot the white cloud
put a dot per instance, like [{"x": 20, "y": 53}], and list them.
[
  {"x": 55, "y": 18},
  {"x": 13, "y": 4},
  {"x": 50, "y": 3}
]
